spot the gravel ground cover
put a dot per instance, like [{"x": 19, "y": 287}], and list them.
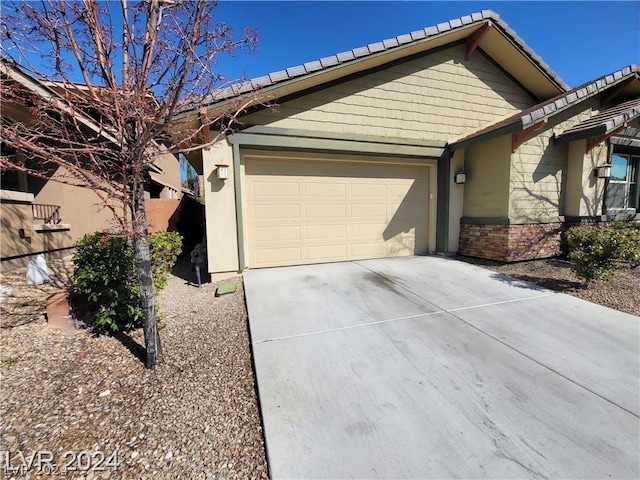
[
  {"x": 195, "y": 416},
  {"x": 622, "y": 293}
]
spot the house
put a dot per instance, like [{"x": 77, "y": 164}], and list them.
[
  {"x": 46, "y": 216},
  {"x": 457, "y": 138}
]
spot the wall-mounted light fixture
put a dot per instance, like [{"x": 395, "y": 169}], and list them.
[
  {"x": 460, "y": 178},
  {"x": 222, "y": 172},
  {"x": 603, "y": 171}
]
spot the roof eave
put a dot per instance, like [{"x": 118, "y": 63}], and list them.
[{"x": 489, "y": 135}]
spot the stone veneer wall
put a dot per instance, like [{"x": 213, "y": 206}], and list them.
[{"x": 509, "y": 243}]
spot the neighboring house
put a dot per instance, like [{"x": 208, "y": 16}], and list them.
[
  {"x": 362, "y": 155},
  {"x": 46, "y": 216}
]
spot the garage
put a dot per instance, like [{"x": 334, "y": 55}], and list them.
[{"x": 303, "y": 210}]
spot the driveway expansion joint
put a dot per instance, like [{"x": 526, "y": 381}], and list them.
[
  {"x": 397, "y": 319},
  {"x": 454, "y": 310}
]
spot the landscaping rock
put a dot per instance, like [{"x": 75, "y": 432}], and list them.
[{"x": 52, "y": 381}]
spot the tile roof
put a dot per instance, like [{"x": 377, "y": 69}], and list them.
[
  {"x": 606, "y": 121},
  {"x": 308, "y": 68},
  {"x": 630, "y": 136},
  {"x": 551, "y": 107}
]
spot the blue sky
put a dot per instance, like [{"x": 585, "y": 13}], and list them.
[{"x": 579, "y": 40}]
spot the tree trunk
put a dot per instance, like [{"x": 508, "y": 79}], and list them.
[{"x": 145, "y": 279}]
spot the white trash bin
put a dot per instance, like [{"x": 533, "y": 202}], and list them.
[{"x": 37, "y": 271}]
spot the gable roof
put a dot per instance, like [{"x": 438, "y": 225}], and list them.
[
  {"x": 549, "y": 108},
  {"x": 501, "y": 43}
]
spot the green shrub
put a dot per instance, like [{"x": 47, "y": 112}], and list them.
[
  {"x": 165, "y": 248},
  {"x": 595, "y": 250},
  {"x": 105, "y": 282},
  {"x": 628, "y": 237}
]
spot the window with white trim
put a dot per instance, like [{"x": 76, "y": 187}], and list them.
[{"x": 622, "y": 188}]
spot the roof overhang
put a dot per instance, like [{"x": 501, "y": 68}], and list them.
[
  {"x": 51, "y": 91},
  {"x": 629, "y": 137},
  {"x": 497, "y": 40},
  {"x": 605, "y": 123},
  {"x": 13, "y": 73},
  {"x": 621, "y": 82}
]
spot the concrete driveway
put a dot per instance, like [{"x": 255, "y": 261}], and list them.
[{"x": 427, "y": 367}]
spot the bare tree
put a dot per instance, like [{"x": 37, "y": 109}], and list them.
[{"x": 102, "y": 83}]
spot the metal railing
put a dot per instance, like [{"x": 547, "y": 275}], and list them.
[{"x": 48, "y": 213}]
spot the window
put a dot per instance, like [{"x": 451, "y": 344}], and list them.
[{"x": 622, "y": 188}]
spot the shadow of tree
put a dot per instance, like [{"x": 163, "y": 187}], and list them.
[
  {"x": 549, "y": 273},
  {"x": 184, "y": 269},
  {"x": 556, "y": 284},
  {"x": 130, "y": 344}
]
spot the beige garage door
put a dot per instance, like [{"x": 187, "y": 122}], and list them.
[{"x": 302, "y": 212}]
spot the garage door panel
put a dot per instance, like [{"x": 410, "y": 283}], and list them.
[
  {"x": 290, "y": 233},
  {"x": 322, "y": 253},
  {"x": 368, "y": 250},
  {"x": 325, "y": 189},
  {"x": 275, "y": 212},
  {"x": 370, "y": 210},
  {"x": 276, "y": 256},
  {"x": 326, "y": 210},
  {"x": 403, "y": 243},
  {"x": 310, "y": 212},
  {"x": 368, "y": 190},
  {"x": 367, "y": 230},
  {"x": 276, "y": 189},
  {"x": 326, "y": 232},
  {"x": 403, "y": 210}
]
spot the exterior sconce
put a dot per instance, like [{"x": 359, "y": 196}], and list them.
[
  {"x": 460, "y": 178},
  {"x": 602, "y": 172},
  {"x": 222, "y": 172}
]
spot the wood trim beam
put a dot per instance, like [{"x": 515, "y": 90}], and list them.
[
  {"x": 518, "y": 138},
  {"x": 602, "y": 138},
  {"x": 473, "y": 41},
  {"x": 614, "y": 92},
  {"x": 204, "y": 122},
  {"x": 320, "y": 144}
]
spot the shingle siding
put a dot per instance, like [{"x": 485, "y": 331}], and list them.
[
  {"x": 434, "y": 97},
  {"x": 536, "y": 191}
]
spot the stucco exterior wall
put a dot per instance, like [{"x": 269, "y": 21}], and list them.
[
  {"x": 80, "y": 207},
  {"x": 15, "y": 216},
  {"x": 220, "y": 210},
  {"x": 81, "y": 212},
  {"x": 162, "y": 214},
  {"x": 433, "y": 97},
  {"x": 170, "y": 176},
  {"x": 170, "y": 169},
  {"x": 486, "y": 192}
]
